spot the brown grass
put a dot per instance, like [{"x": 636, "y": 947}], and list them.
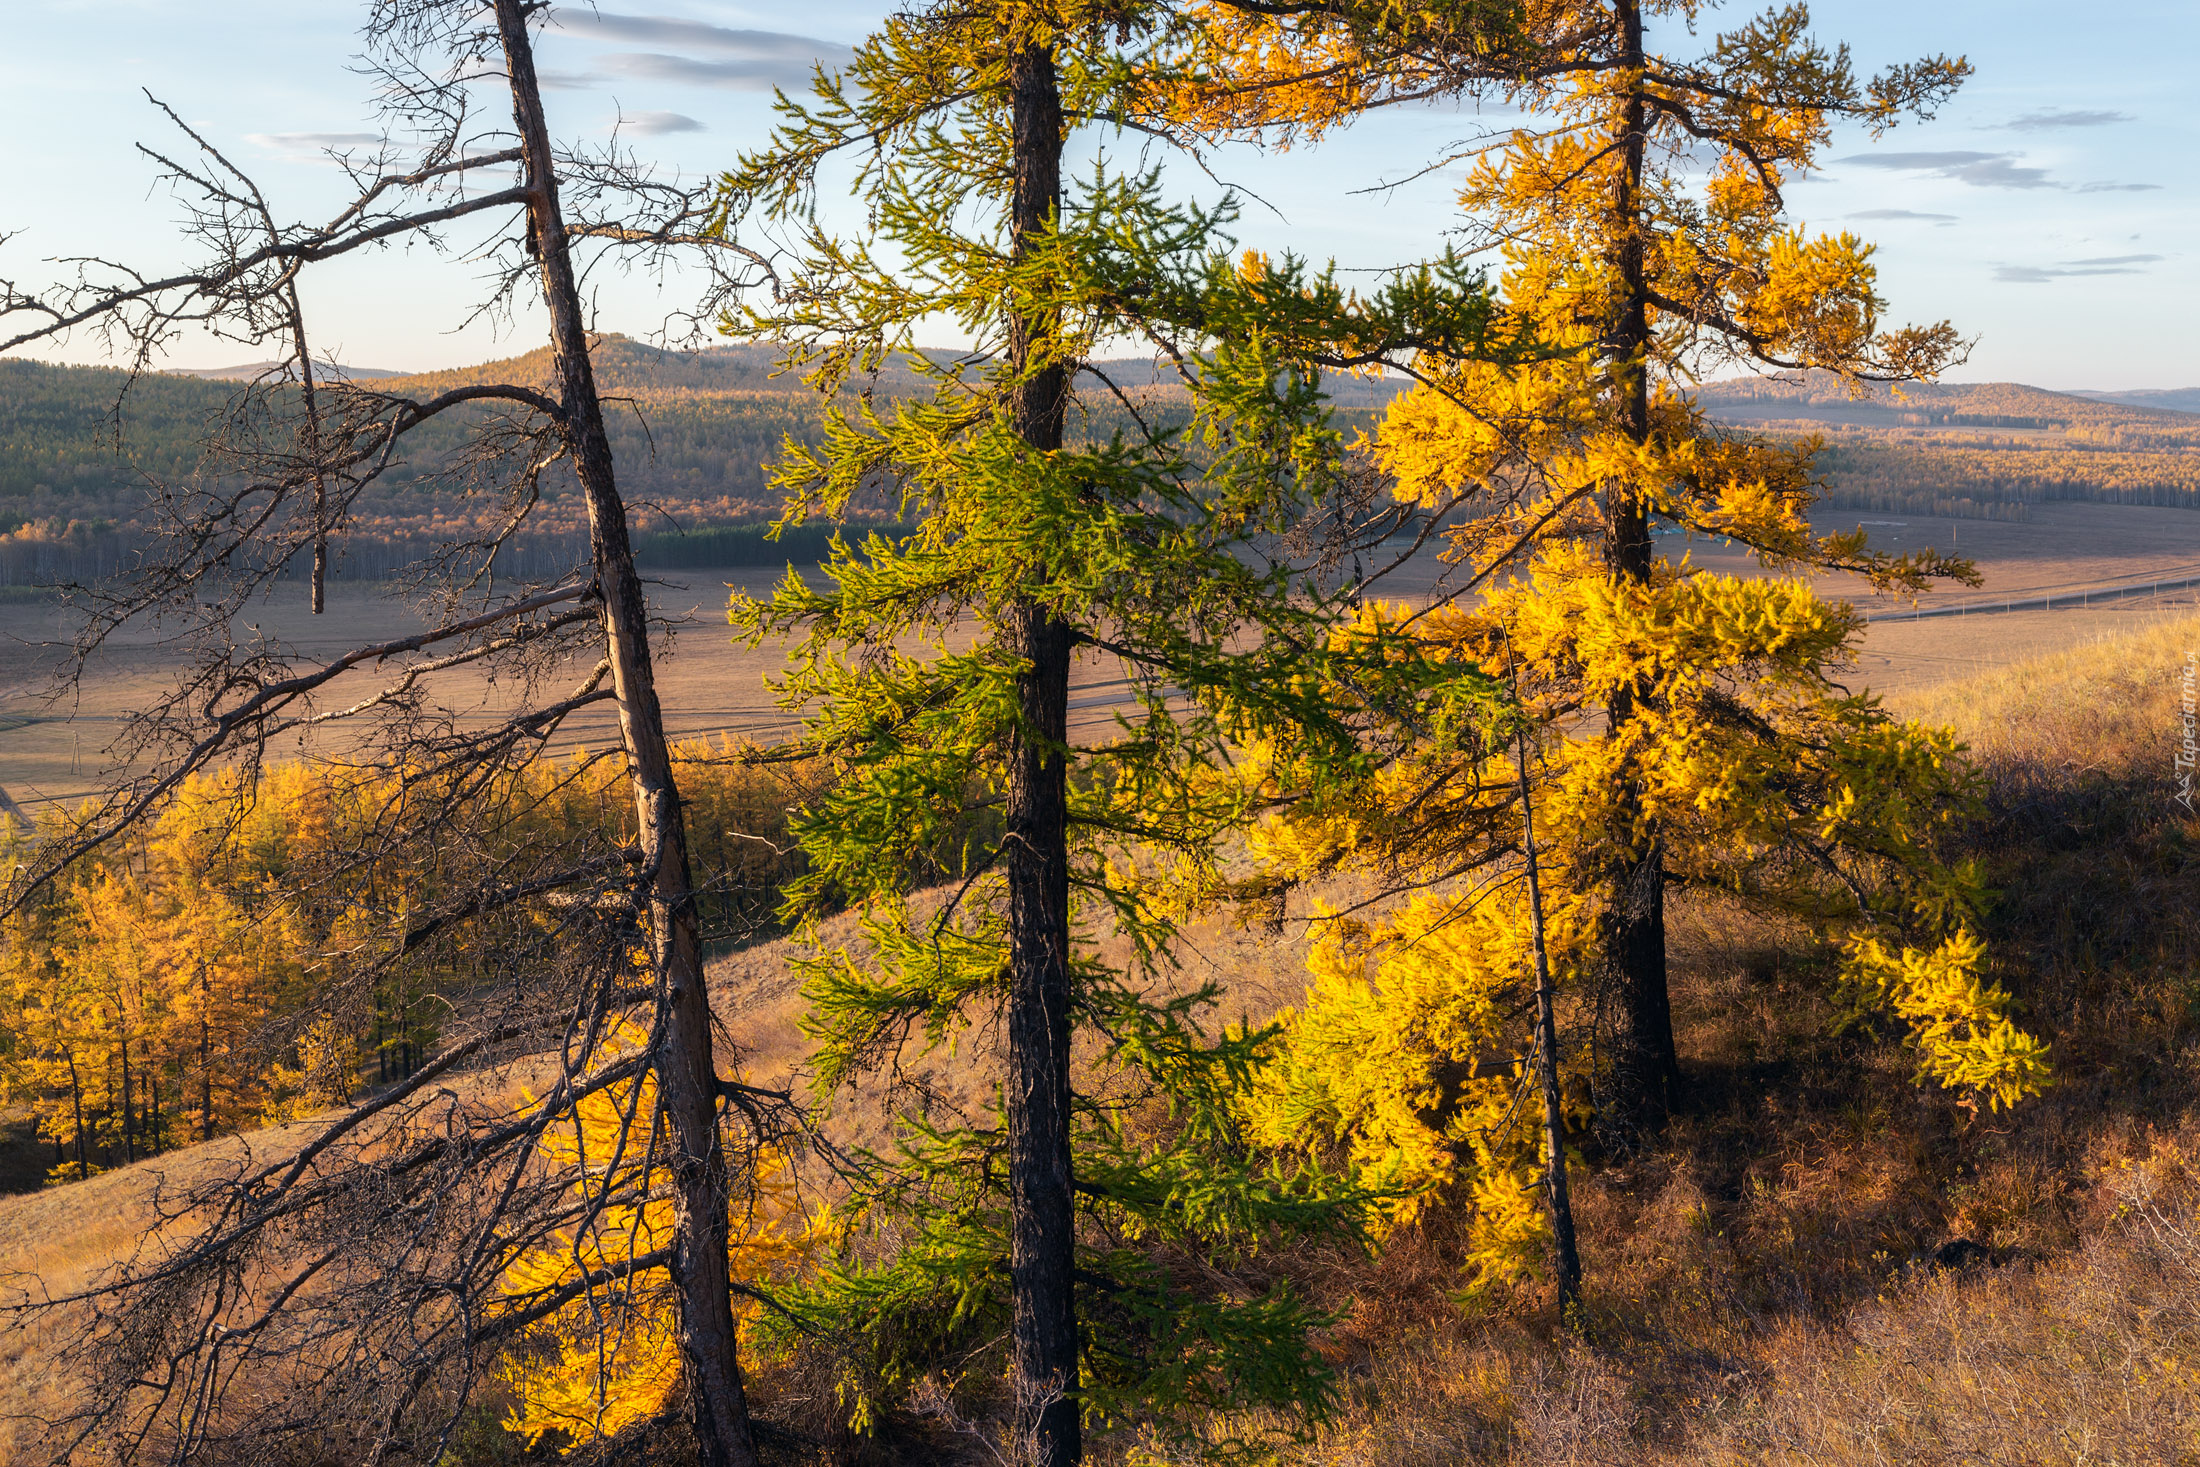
[
  {"x": 1760, "y": 1288},
  {"x": 1759, "y": 1285}
]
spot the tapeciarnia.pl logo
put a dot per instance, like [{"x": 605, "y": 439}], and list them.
[{"x": 2188, "y": 702}]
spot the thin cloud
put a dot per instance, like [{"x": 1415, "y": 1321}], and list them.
[
  {"x": 737, "y": 73},
  {"x": 686, "y": 35},
  {"x": 700, "y": 54},
  {"x": 313, "y": 142},
  {"x": 2040, "y": 121},
  {"x": 1903, "y": 214},
  {"x": 1981, "y": 170},
  {"x": 568, "y": 81},
  {"x": 2093, "y": 265},
  {"x": 1985, "y": 170},
  {"x": 657, "y": 124}
]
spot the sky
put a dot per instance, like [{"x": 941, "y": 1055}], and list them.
[{"x": 2050, "y": 211}]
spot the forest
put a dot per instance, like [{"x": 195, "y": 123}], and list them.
[
  {"x": 696, "y": 430},
  {"x": 1282, "y": 928}
]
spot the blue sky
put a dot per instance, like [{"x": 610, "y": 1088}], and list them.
[{"x": 2050, "y": 211}]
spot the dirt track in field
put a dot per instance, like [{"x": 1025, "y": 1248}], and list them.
[{"x": 712, "y": 687}]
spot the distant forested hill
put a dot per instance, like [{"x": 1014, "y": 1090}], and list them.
[
  {"x": 2176, "y": 399},
  {"x": 69, "y": 434},
  {"x": 694, "y": 432},
  {"x": 1972, "y": 449}
]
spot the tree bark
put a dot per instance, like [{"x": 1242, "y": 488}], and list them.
[
  {"x": 76, "y": 1107},
  {"x": 687, "y": 1088},
  {"x": 1568, "y": 1254},
  {"x": 206, "y": 1054},
  {"x": 1042, "y": 1207},
  {"x": 129, "y": 1097},
  {"x": 1641, "y": 1072}
]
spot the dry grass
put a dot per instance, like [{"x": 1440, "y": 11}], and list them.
[
  {"x": 1761, "y": 1286},
  {"x": 55, "y": 1242},
  {"x": 1754, "y": 1287}
]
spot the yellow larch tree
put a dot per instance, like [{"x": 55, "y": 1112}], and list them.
[
  {"x": 605, "y": 1354},
  {"x": 1692, "y": 730}
]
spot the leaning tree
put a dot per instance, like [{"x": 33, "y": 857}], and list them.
[{"x": 355, "y": 1281}]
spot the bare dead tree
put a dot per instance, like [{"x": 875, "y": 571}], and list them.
[{"x": 356, "y": 1284}]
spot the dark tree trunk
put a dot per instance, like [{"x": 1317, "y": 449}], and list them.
[
  {"x": 129, "y": 1097},
  {"x": 1568, "y": 1255},
  {"x": 76, "y": 1107},
  {"x": 687, "y": 1086},
  {"x": 1640, "y": 1073},
  {"x": 206, "y": 1055},
  {"x": 1037, "y": 860}
]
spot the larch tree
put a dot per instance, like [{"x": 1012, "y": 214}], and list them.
[
  {"x": 1693, "y": 730},
  {"x": 1638, "y": 209},
  {"x": 357, "y": 1287},
  {"x": 1071, "y": 515}
]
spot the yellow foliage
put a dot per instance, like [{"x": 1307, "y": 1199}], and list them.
[
  {"x": 1958, "y": 1023},
  {"x": 155, "y": 964},
  {"x": 1402, "y": 1052},
  {"x": 1758, "y": 777},
  {"x": 610, "y": 1357}
]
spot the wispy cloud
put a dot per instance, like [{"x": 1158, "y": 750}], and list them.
[
  {"x": 700, "y": 54},
  {"x": 665, "y": 30},
  {"x": 1983, "y": 170},
  {"x": 656, "y": 124},
  {"x": 737, "y": 73},
  {"x": 2042, "y": 120},
  {"x": 1903, "y": 214},
  {"x": 2092, "y": 265},
  {"x": 313, "y": 144}
]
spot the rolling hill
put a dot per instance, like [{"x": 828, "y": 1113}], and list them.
[
  {"x": 1974, "y": 450},
  {"x": 693, "y": 433}
]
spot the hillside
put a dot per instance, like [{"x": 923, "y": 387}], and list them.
[
  {"x": 1764, "y": 1283},
  {"x": 252, "y": 371},
  {"x": 692, "y": 433},
  {"x": 1972, "y": 450},
  {"x": 2177, "y": 399},
  {"x": 1822, "y": 398}
]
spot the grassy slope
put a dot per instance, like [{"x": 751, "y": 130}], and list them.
[{"x": 1752, "y": 1295}]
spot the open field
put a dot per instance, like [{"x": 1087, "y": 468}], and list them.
[{"x": 712, "y": 687}]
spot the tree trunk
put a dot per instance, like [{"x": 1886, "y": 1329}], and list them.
[
  {"x": 76, "y": 1107},
  {"x": 1546, "y": 1061},
  {"x": 687, "y": 1085},
  {"x": 1042, "y": 1207},
  {"x": 206, "y": 1055},
  {"x": 129, "y": 1096},
  {"x": 1641, "y": 1073}
]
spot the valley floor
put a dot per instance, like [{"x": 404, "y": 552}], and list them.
[{"x": 1766, "y": 1282}]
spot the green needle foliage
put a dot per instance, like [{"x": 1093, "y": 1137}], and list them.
[{"x": 1158, "y": 541}]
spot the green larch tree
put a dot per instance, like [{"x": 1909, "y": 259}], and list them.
[{"x": 1071, "y": 518}]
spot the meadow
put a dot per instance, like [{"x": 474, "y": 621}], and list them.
[
  {"x": 1856, "y": 1271},
  {"x": 713, "y": 687}
]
